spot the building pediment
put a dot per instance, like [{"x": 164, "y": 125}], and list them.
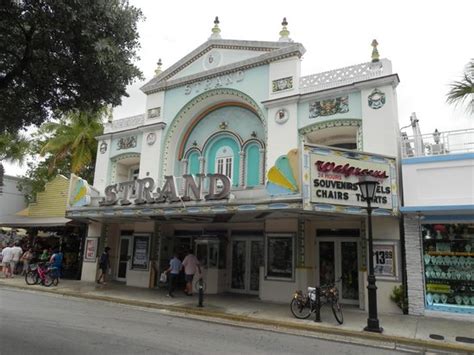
[{"x": 217, "y": 57}]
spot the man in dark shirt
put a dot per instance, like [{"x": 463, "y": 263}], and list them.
[{"x": 104, "y": 265}]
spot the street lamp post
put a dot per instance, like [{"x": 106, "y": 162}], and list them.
[{"x": 367, "y": 189}]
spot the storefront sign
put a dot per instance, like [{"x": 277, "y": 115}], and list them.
[
  {"x": 140, "y": 252},
  {"x": 384, "y": 260},
  {"x": 145, "y": 192},
  {"x": 334, "y": 178},
  {"x": 90, "y": 252}
]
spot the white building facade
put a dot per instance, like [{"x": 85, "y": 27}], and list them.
[
  {"x": 253, "y": 166},
  {"x": 438, "y": 192}
]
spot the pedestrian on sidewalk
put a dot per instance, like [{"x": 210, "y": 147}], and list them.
[
  {"x": 190, "y": 265},
  {"x": 56, "y": 261},
  {"x": 26, "y": 259},
  {"x": 104, "y": 265},
  {"x": 6, "y": 258},
  {"x": 173, "y": 273},
  {"x": 17, "y": 252}
]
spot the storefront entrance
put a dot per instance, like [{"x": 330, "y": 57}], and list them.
[
  {"x": 125, "y": 253},
  {"x": 337, "y": 261},
  {"x": 247, "y": 257}
]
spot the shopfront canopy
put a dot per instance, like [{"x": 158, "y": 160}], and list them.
[{"x": 31, "y": 222}]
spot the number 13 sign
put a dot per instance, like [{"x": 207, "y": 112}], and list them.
[{"x": 384, "y": 260}]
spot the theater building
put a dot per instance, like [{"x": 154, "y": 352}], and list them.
[{"x": 253, "y": 166}]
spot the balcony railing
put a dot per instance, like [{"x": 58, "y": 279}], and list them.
[{"x": 437, "y": 143}]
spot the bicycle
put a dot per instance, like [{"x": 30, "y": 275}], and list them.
[
  {"x": 41, "y": 273},
  {"x": 303, "y": 305}
]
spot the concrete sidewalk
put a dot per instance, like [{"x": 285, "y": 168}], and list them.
[{"x": 399, "y": 330}]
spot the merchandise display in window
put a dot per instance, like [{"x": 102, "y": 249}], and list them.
[{"x": 448, "y": 258}]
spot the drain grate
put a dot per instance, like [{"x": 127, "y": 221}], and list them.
[
  {"x": 436, "y": 337},
  {"x": 465, "y": 340}
]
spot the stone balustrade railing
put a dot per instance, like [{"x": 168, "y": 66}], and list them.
[{"x": 344, "y": 76}]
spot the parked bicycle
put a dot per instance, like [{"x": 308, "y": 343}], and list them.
[
  {"x": 43, "y": 274},
  {"x": 303, "y": 305}
]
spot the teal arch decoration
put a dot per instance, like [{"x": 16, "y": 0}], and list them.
[
  {"x": 253, "y": 165},
  {"x": 214, "y": 146},
  {"x": 193, "y": 161}
]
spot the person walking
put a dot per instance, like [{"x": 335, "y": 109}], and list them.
[
  {"x": 6, "y": 258},
  {"x": 17, "y": 252},
  {"x": 26, "y": 259},
  {"x": 190, "y": 265},
  {"x": 104, "y": 265},
  {"x": 56, "y": 261},
  {"x": 173, "y": 273}
]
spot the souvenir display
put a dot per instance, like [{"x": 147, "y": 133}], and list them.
[{"x": 448, "y": 262}]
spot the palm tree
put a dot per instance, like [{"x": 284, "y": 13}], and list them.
[
  {"x": 73, "y": 137},
  {"x": 13, "y": 148},
  {"x": 463, "y": 90}
]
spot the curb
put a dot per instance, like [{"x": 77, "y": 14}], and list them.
[{"x": 314, "y": 328}]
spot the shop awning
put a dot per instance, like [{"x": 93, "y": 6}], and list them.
[{"x": 28, "y": 222}]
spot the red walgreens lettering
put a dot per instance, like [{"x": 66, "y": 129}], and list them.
[{"x": 347, "y": 170}]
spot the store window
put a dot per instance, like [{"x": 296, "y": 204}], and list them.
[
  {"x": 280, "y": 259},
  {"x": 448, "y": 258}
]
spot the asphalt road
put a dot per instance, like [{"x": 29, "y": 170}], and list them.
[{"x": 34, "y": 323}]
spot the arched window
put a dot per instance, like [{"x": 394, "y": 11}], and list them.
[
  {"x": 193, "y": 163},
  {"x": 253, "y": 165},
  {"x": 224, "y": 163}
]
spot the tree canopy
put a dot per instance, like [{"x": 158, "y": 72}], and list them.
[
  {"x": 462, "y": 91},
  {"x": 64, "y": 55}
]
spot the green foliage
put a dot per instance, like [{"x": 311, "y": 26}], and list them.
[
  {"x": 73, "y": 138},
  {"x": 68, "y": 145},
  {"x": 462, "y": 91},
  {"x": 64, "y": 55},
  {"x": 398, "y": 296},
  {"x": 13, "y": 147}
]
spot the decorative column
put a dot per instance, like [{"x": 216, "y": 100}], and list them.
[
  {"x": 242, "y": 173},
  {"x": 262, "y": 166},
  {"x": 185, "y": 171},
  {"x": 201, "y": 164}
]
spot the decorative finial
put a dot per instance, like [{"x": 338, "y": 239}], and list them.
[
  {"x": 284, "y": 33},
  {"x": 158, "y": 67},
  {"x": 223, "y": 125},
  {"x": 216, "y": 30},
  {"x": 375, "y": 52}
]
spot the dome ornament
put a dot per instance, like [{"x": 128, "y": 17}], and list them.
[
  {"x": 284, "y": 33},
  {"x": 158, "y": 67},
  {"x": 216, "y": 31},
  {"x": 375, "y": 52}
]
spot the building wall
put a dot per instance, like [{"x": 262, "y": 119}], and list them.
[
  {"x": 52, "y": 201},
  {"x": 12, "y": 200},
  {"x": 439, "y": 180}
]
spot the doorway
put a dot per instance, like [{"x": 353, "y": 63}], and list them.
[
  {"x": 337, "y": 261},
  {"x": 247, "y": 257},
  {"x": 125, "y": 254}
]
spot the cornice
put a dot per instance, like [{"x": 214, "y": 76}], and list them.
[{"x": 159, "y": 83}]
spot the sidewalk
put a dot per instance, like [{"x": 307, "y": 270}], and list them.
[{"x": 399, "y": 330}]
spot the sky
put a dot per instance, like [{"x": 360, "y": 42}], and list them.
[{"x": 428, "y": 42}]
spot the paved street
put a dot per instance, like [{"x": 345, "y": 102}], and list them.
[{"x": 33, "y": 323}]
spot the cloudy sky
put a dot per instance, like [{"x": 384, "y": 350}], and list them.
[{"x": 429, "y": 43}]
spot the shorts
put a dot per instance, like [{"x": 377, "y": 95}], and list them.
[{"x": 188, "y": 278}]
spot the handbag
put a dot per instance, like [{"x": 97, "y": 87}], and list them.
[{"x": 163, "y": 277}]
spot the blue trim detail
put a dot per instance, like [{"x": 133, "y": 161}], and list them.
[
  {"x": 464, "y": 309},
  {"x": 438, "y": 158},
  {"x": 451, "y": 218},
  {"x": 247, "y": 207},
  {"x": 453, "y": 208}
]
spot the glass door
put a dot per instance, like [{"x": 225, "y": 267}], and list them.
[
  {"x": 337, "y": 262},
  {"x": 125, "y": 253},
  {"x": 247, "y": 256}
]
